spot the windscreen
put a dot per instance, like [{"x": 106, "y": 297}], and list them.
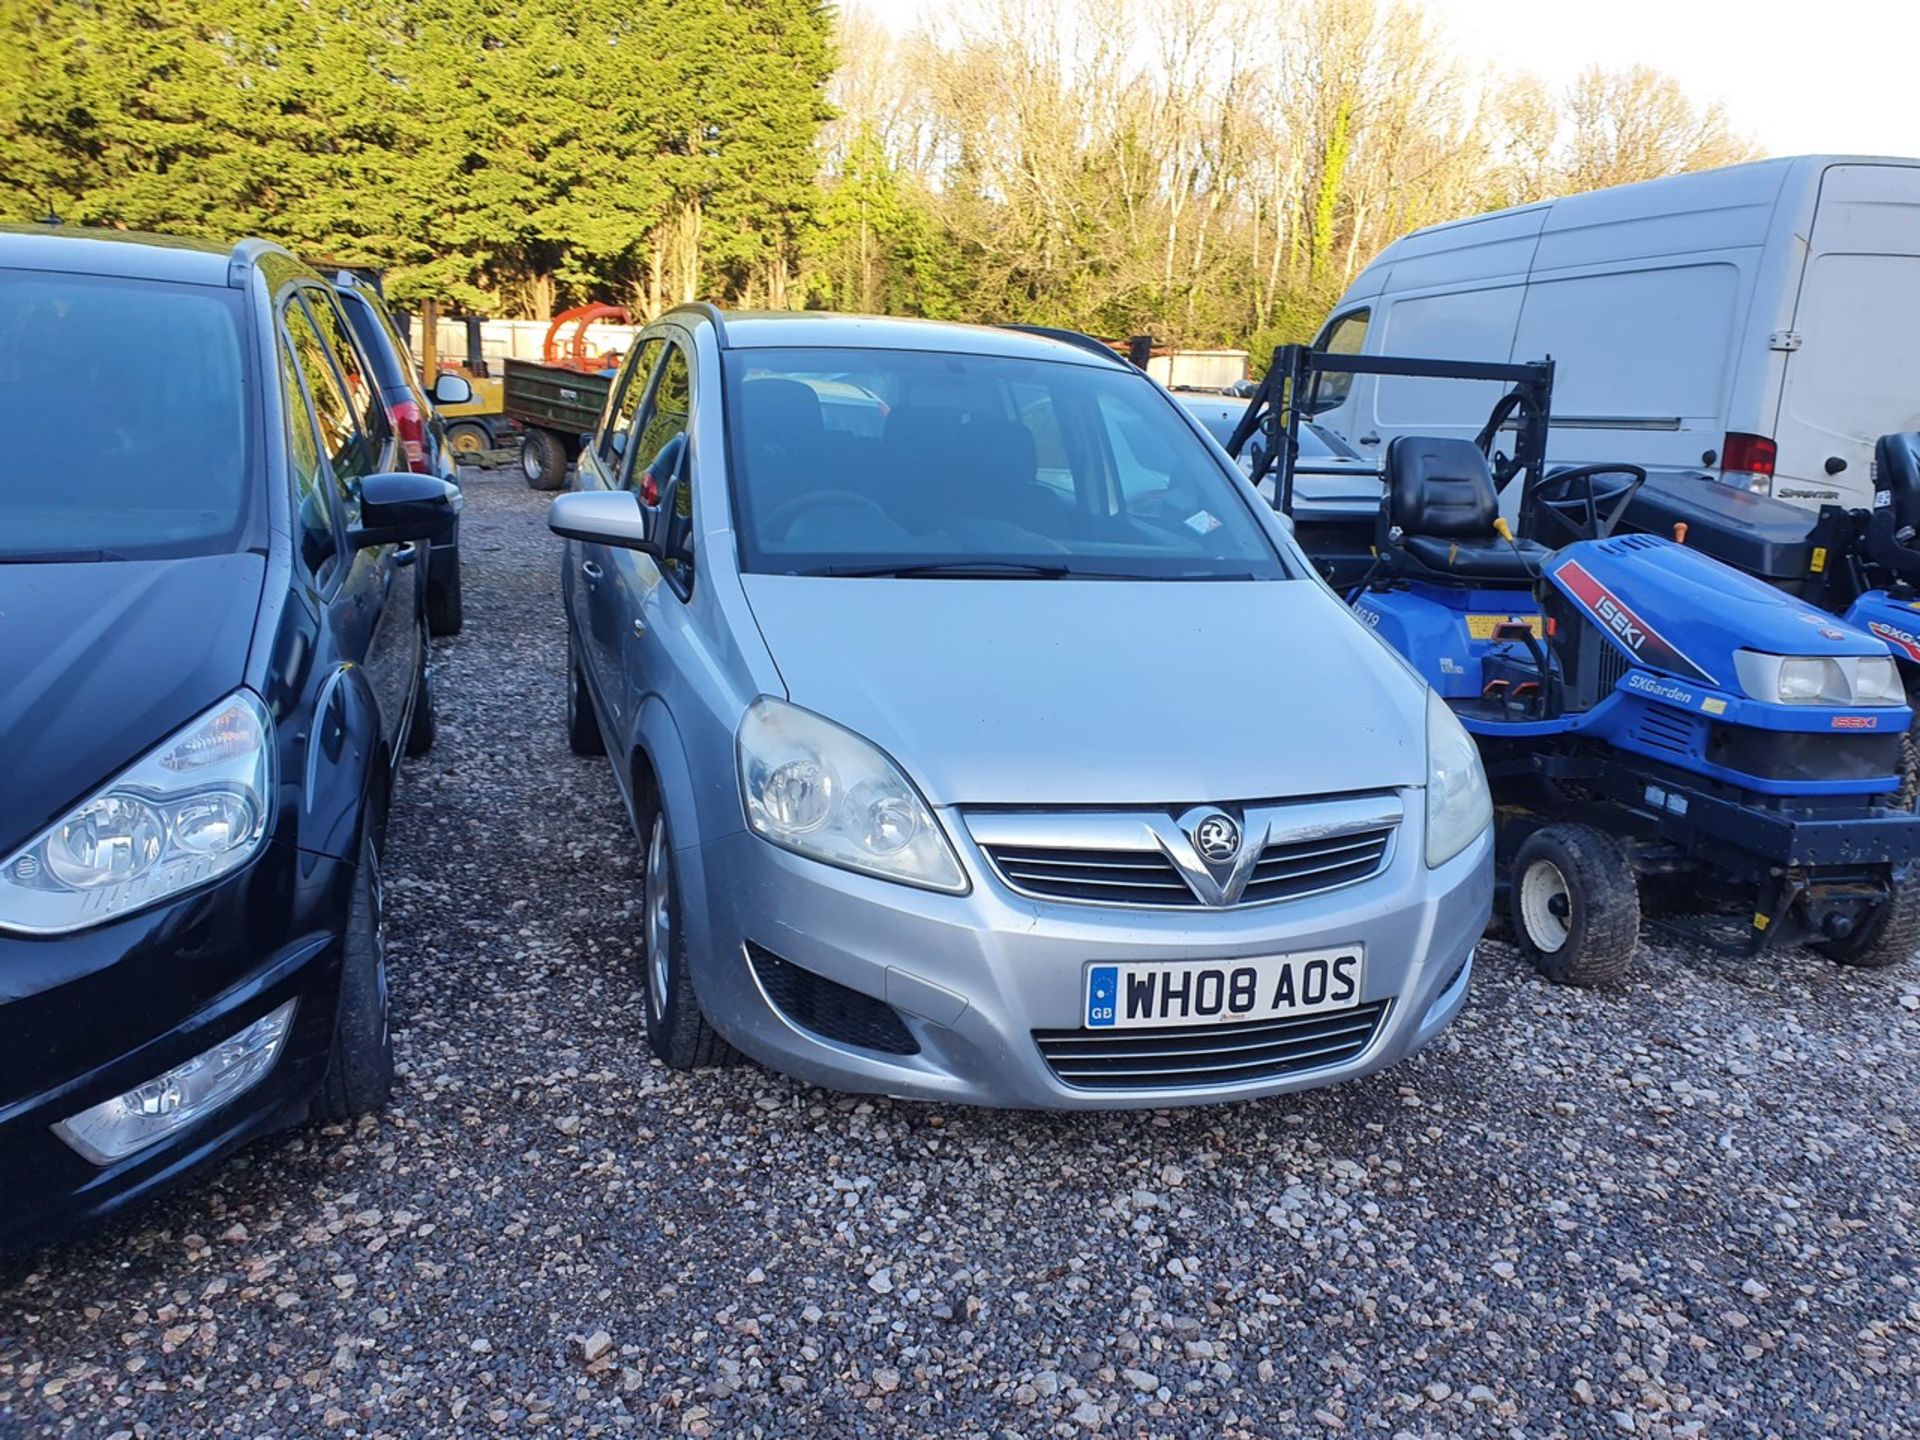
[
  {"x": 124, "y": 406},
  {"x": 875, "y": 462}
]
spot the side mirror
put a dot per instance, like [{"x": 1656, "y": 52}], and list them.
[
  {"x": 602, "y": 517},
  {"x": 402, "y": 507},
  {"x": 451, "y": 389}
]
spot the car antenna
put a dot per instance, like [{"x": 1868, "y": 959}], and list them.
[{"x": 51, "y": 217}]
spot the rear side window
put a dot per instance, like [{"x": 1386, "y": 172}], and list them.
[
  {"x": 629, "y": 390},
  {"x": 363, "y": 392},
  {"x": 125, "y": 407},
  {"x": 386, "y": 352},
  {"x": 312, "y": 512},
  {"x": 344, "y": 443}
]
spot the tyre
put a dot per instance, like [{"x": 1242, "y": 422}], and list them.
[
  {"x": 1890, "y": 936},
  {"x": 1575, "y": 905},
  {"x": 446, "y": 612},
  {"x": 543, "y": 459},
  {"x": 424, "y": 726},
  {"x": 469, "y": 440},
  {"x": 583, "y": 724},
  {"x": 1910, "y": 753},
  {"x": 359, "y": 1074},
  {"x": 677, "y": 1031}
]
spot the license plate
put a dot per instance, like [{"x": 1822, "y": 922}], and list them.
[{"x": 1141, "y": 994}]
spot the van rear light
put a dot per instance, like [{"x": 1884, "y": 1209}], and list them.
[
  {"x": 1747, "y": 461},
  {"x": 410, "y": 425}
]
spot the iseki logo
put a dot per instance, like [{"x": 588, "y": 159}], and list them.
[{"x": 1618, "y": 621}]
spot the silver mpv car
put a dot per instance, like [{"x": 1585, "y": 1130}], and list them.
[{"x": 988, "y": 736}]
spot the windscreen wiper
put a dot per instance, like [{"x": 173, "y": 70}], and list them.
[
  {"x": 953, "y": 570},
  {"x": 57, "y": 557}
]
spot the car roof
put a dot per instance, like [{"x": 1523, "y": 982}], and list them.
[
  {"x": 129, "y": 253},
  {"x": 815, "y": 329}
]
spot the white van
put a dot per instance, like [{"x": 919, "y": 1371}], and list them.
[{"x": 1759, "y": 323}]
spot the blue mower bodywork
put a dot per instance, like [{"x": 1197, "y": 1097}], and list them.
[{"x": 1659, "y": 729}]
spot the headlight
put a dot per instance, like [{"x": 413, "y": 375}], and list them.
[
  {"x": 188, "y": 812},
  {"x": 1459, "y": 806},
  {"x": 823, "y": 792},
  {"x": 1819, "y": 679}
]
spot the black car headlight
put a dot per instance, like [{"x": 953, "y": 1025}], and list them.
[{"x": 191, "y": 810}]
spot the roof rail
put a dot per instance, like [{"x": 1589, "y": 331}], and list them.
[
  {"x": 1076, "y": 339},
  {"x": 240, "y": 263},
  {"x": 706, "y": 311}
]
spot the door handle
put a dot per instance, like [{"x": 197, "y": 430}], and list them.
[
  {"x": 590, "y": 569},
  {"x": 1369, "y": 440},
  {"x": 406, "y": 554}
]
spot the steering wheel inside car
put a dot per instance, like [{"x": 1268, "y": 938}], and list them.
[{"x": 783, "y": 516}]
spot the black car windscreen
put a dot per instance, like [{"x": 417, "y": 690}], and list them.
[{"x": 124, "y": 406}]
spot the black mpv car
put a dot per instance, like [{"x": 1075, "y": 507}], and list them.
[{"x": 212, "y": 639}]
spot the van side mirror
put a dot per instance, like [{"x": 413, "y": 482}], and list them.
[
  {"x": 451, "y": 389},
  {"x": 603, "y": 517},
  {"x": 402, "y": 507}
]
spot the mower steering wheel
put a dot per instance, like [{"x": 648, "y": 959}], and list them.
[{"x": 1593, "y": 512}]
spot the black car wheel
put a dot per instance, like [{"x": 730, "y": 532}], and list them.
[
  {"x": 543, "y": 459},
  {"x": 677, "y": 1031},
  {"x": 583, "y": 724},
  {"x": 424, "y": 725},
  {"x": 446, "y": 612},
  {"x": 359, "y": 1074},
  {"x": 1575, "y": 905}
]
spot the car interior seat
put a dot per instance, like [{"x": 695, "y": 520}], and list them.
[{"x": 1439, "y": 514}]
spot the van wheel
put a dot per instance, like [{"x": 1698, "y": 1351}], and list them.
[
  {"x": 1575, "y": 905},
  {"x": 583, "y": 724},
  {"x": 677, "y": 1030},
  {"x": 359, "y": 1076},
  {"x": 1890, "y": 936},
  {"x": 543, "y": 459}
]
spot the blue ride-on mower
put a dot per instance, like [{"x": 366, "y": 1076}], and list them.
[
  {"x": 1663, "y": 734},
  {"x": 1860, "y": 564}
]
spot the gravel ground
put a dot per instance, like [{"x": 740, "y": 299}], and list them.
[{"x": 1685, "y": 1209}]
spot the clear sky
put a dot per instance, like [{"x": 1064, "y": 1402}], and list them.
[{"x": 1797, "y": 76}]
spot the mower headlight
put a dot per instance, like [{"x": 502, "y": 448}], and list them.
[
  {"x": 823, "y": 792},
  {"x": 188, "y": 812},
  {"x": 1459, "y": 805},
  {"x": 1819, "y": 679},
  {"x": 1876, "y": 681}
]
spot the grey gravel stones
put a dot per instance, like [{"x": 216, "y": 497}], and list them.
[{"x": 1691, "y": 1208}]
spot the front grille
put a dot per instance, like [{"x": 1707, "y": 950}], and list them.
[
  {"x": 1802, "y": 755},
  {"x": 1113, "y": 877},
  {"x": 1285, "y": 871},
  {"x": 1306, "y": 867},
  {"x": 1186, "y": 1055},
  {"x": 828, "y": 1008}
]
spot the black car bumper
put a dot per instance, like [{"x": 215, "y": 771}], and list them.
[{"x": 89, "y": 1016}]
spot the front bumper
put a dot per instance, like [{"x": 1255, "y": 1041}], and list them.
[
  {"x": 89, "y": 1016},
  {"x": 972, "y": 977}
]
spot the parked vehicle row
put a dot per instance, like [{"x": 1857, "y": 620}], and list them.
[{"x": 214, "y": 588}]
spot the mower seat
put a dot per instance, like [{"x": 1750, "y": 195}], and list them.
[
  {"x": 1440, "y": 498},
  {"x": 1892, "y": 538}
]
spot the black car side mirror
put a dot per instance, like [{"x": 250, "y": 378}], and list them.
[{"x": 401, "y": 507}]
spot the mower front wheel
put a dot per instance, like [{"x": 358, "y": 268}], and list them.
[
  {"x": 1575, "y": 905},
  {"x": 1890, "y": 936}
]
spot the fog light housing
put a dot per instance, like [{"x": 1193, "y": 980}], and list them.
[{"x": 168, "y": 1103}]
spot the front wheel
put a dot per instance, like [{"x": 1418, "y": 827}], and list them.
[
  {"x": 543, "y": 459},
  {"x": 1575, "y": 905},
  {"x": 359, "y": 1074},
  {"x": 1890, "y": 935},
  {"x": 677, "y": 1030}
]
